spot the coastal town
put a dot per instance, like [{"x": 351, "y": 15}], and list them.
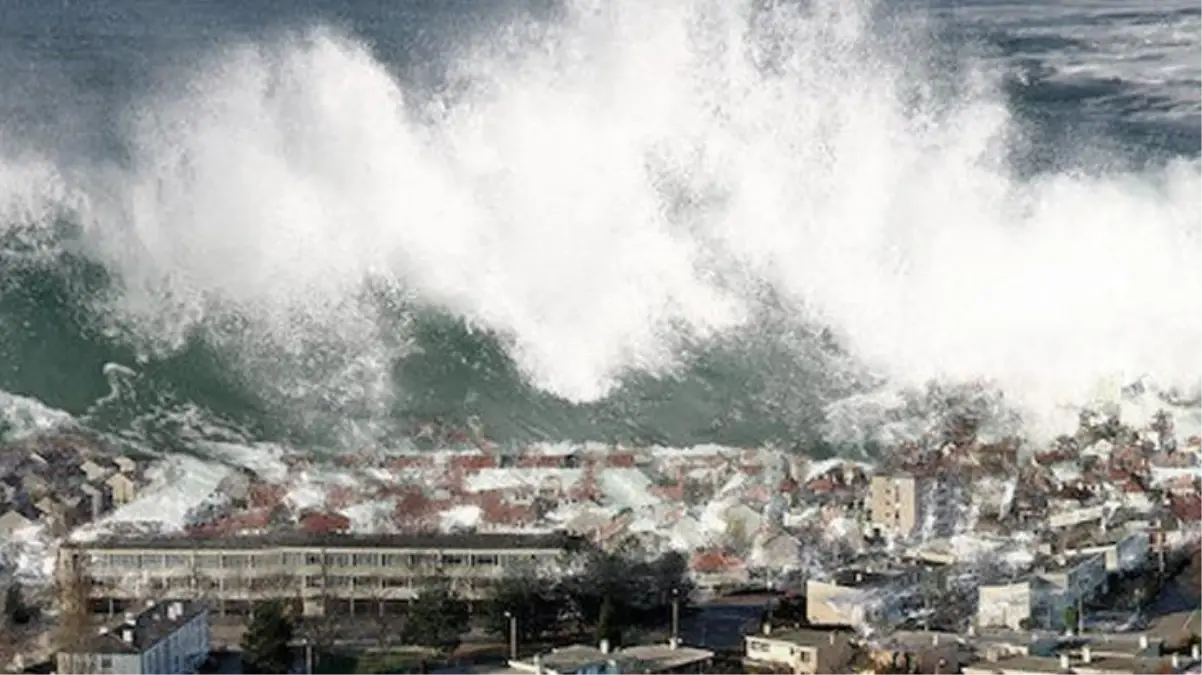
[{"x": 949, "y": 553}]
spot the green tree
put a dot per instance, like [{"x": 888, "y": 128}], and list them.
[
  {"x": 533, "y": 601},
  {"x": 438, "y": 617},
  {"x": 1071, "y": 618},
  {"x": 608, "y": 627},
  {"x": 16, "y": 610},
  {"x": 265, "y": 645}
]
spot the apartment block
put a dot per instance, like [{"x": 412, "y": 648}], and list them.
[
  {"x": 324, "y": 574},
  {"x": 904, "y": 505},
  {"x": 170, "y": 637}
]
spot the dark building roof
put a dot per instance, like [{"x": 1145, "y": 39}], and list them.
[
  {"x": 298, "y": 539},
  {"x": 143, "y": 631}
]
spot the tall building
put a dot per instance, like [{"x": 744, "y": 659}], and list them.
[
  {"x": 323, "y": 574},
  {"x": 894, "y": 505},
  {"x": 905, "y": 505},
  {"x": 171, "y": 637}
]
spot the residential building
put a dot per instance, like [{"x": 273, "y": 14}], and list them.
[
  {"x": 587, "y": 660},
  {"x": 799, "y": 650},
  {"x": 855, "y": 597},
  {"x": 902, "y": 505},
  {"x": 919, "y": 652},
  {"x": 1040, "y": 600},
  {"x": 1122, "y": 549},
  {"x": 323, "y": 573},
  {"x": 126, "y": 465},
  {"x": 1082, "y": 662},
  {"x": 124, "y": 487},
  {"x": 17, "y": 519},
  {"x": 95, "y": 471},
  {"x": 170, "y": 637}
]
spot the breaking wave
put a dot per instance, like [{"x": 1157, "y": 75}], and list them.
[{"x": 786, "y": 203}]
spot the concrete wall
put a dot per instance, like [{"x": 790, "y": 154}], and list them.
[{"x": 1004, "y": 605}]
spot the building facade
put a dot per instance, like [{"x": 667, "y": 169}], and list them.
[
  {"x": 1040, "y": 600},
  {"x": 338, "y": 574},
  {"x": 171, "y": 637},
  {"x": 800, "y": 651},
  {"x": 904, "y": 505}
]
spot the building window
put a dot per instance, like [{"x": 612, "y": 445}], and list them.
[
  {"x": 294, "y": 559},
  {"x": 366, "y": 559},
  {"x": 453, "y": 559},
  {"x": 313, "y": 559},
  {"x": 338, "y": 560},
  {"x": 106, "y": 664},
  {"x": 176, "y": 561},
  {"x": 485, "y": 559},
  {"x": 757, "y": 646},
  {"x": 395, "y": 559},
  {"x": 235, "y": 561}
]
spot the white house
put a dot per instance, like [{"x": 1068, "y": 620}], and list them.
[{"x": 170, "y": 638}]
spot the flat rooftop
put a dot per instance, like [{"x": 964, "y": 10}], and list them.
[
  {"x": 304, "y": 540},
  {"x": 805, "y": 637},
  {"x": 652, "y": 658}
]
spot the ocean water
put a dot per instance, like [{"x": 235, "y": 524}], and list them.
[{"x": 325, "y": 224}]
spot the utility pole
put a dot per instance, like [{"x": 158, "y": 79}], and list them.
[
  {"x": 513, "y": 635},
  {"x": 309, "y": 656},
  {"x": 675, "y": 615}
]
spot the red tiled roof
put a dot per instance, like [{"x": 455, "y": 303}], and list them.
[
  {"x": 257, "y": 519},
  {"x": 1186, "y": 507},
  {"x": 324, "y": 523},
  {"x": 823, "y": 484},
  {"x": 711, "y": 562}
]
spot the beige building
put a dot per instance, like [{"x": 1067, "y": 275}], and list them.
[
  {"x": 337, "y": 574},
  {"x": 801, "y": 651},
  {"x": 894, "y": 505},
  {"x": 858, "y": 597},
  {"x": 124, "y": 488}
]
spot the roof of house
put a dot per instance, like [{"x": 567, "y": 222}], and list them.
[
  {"x": 806, "y": 637},
  {"x": 145, "y": 630}
]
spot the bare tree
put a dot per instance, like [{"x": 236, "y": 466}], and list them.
[
  {"x": 73, "y": 585},
  {"x": 322, "y": 630}
]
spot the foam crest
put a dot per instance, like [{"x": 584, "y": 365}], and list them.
[{"x": 604, "y": 188}]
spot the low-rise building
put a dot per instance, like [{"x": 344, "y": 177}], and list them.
[
  {"x": 588, "y": 660},
  {"x": 124, "y": 488},
  {"x": 799, "y": 650},
  {"x": 1078, "y": 663},
  {"x": 171, "y": 637},
  {"x": 324, "y": 573},
  {"x": 1122, "y": 549},
  {"x": 856, "y": 597},
  {"x": 1040, "y": 599}
]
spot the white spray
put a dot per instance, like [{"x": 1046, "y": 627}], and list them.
[{"x": 608, "y": 186}]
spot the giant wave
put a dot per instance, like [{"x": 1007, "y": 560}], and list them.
[{"x": 673, "y": 222}]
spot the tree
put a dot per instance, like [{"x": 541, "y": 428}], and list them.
[
  {"x": 17, "y": 612},
  {"x": 1071, "y": 619},
  {"x": 438, "y": 617},
  {"x": 606, "y": 627},
  {"x": 266, "y": 644},
  {"x": 533, "y": 601},
  {"x": 73, "y": 586}
]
